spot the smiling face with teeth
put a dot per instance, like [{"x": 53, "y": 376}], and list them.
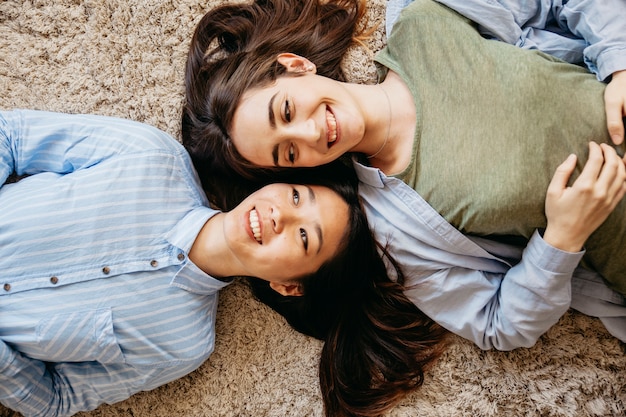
[
  {"x": 283, "y": 232},
  {"x": 301, "y": 120}
]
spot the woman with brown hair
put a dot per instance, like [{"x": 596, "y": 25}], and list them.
[{"x": 265, "y": 93}]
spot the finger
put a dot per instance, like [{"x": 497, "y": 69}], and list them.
[
  {"x": 613, "y": 172},
  {"x": 562, "y": 174},
  {"x": 610, "y": 167},
  {"x": 594, "y": 163},
  {"x": 615, "y": 121}
]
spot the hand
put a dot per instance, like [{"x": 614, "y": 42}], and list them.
[
  {"x": 615, "y": 106},
  {"x": 575, "y": 212}
]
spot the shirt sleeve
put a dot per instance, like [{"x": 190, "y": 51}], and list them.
[
  {"x": 502, "y": 310},
  {"x": 33, "y": 142},
  {"x": 37, "y": 388},
  {"x": 603, "y": 26}
]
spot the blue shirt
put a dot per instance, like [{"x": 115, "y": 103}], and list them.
[
  {"x": 98, "y": 299},
  {"x": 576, "y": 31},
  {"x": 496, "y": 295}
]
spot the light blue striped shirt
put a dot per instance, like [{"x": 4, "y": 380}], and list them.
[{"x": 97, "y": 297}]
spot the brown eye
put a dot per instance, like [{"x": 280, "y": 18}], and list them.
[
  {"x": 292, "y": 154},
  {"x": 296, "y": 197},
  {"x": 287, "y": 111},
  {"x": 305, "y": 238}
]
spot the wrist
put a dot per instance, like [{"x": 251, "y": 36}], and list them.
[
  {"x": 562, "y": 241},
  {"x": 618, "y": 75}
]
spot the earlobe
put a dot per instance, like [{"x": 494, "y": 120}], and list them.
[
  {"x": 292, "y": 290},
  {"x": 295, "y": 63}
]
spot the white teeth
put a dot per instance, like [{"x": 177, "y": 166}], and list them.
[
  {"x": 332, "y": 126},
  {"x": 255, "y": 225}
]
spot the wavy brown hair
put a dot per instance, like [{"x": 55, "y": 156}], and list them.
[{"x": 235, "y": 47}]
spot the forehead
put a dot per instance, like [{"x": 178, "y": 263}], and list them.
[
  {"x": 251, "y": 132},
  {"x": 333, "y": 216},
  {"x": 256, "y": 99}
]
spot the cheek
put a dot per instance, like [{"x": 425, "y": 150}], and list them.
[{"x": 288, "y": 259}]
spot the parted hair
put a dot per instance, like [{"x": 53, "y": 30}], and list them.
[
  {"x": 377, "y": 343},
  {"x": 235, "y": 47}
]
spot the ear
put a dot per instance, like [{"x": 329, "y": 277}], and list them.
[
  {"x": 294, "y": 290},
  {"x": 296, "y": 63}
]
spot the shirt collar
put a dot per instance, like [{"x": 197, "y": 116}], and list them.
[
  {"x": 184, "y": 233},
  {"x": 369, "y": 175},
  {"x": 190, "y": 277},
  {"x": 193, "y": 279}
]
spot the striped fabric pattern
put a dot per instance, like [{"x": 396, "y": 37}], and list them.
[{"x": 97, "y": 297}]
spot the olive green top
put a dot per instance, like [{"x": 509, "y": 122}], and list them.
[{"x": 493, "y": 123}]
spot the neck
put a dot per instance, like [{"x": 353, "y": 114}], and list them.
[
  {"x": 211, "y": 245},
  {"x": 389, "y": 116},
  {"x": 392, "y": 155}
]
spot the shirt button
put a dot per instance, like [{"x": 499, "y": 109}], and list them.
[
  {"x": 154, "y": 263},
  {"x": 181, "y": 256},
  {"x": 7, "y": 287},
  {"x": 54, "y": 280},
  {"x": 106, "y": 270}
]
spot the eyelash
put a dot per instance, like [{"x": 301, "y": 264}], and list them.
[
  {"x": 305, "y": 238},
  {"x": 303, "y": 233},
  {"x": 292, "y": 153},
  {"x": 296, "y": 196},
  {"x": 287, "y": 111},
  {"x": 287, "y": 115}
]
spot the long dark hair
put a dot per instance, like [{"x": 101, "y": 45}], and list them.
[
  {"x": 377, "y": 342},
  {"x": 234, "y": 48}
]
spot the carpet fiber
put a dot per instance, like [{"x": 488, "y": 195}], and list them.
[{"x": 126, "y": 58}]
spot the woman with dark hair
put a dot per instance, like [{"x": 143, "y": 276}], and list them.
[
  {"x": 112, "y": 260},
  {"x": 378, "y": 343}
]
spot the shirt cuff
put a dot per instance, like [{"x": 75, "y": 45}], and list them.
[
  {"x": 549, "y": 258},
  {"x": 610, "y": 61}
]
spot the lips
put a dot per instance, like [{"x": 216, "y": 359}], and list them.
[
  {"x": 255, "y": 225},
  {"x": 331, "y": 124}
]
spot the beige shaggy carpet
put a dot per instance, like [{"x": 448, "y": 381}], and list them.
[{"x": 126, "y": 58}]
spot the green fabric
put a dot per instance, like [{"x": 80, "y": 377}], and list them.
[{"x": 494, "y": 122}]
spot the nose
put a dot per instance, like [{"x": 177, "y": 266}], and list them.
[
  {"x": 308, "y": 132},
  {"x": 281, "y": 217}
]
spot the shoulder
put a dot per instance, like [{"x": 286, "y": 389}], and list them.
[
  {"x": 427, "y": 18},
  {"x": 136, "y": 133}
]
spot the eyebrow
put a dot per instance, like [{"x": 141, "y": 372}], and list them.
[
  {"x": 272, "y": 118},
  {"x": 318, "y": 229}
]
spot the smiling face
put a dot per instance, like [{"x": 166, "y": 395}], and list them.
[
  {"x": 283, "y": 232},
  {"x": 300, "y": 120}
]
